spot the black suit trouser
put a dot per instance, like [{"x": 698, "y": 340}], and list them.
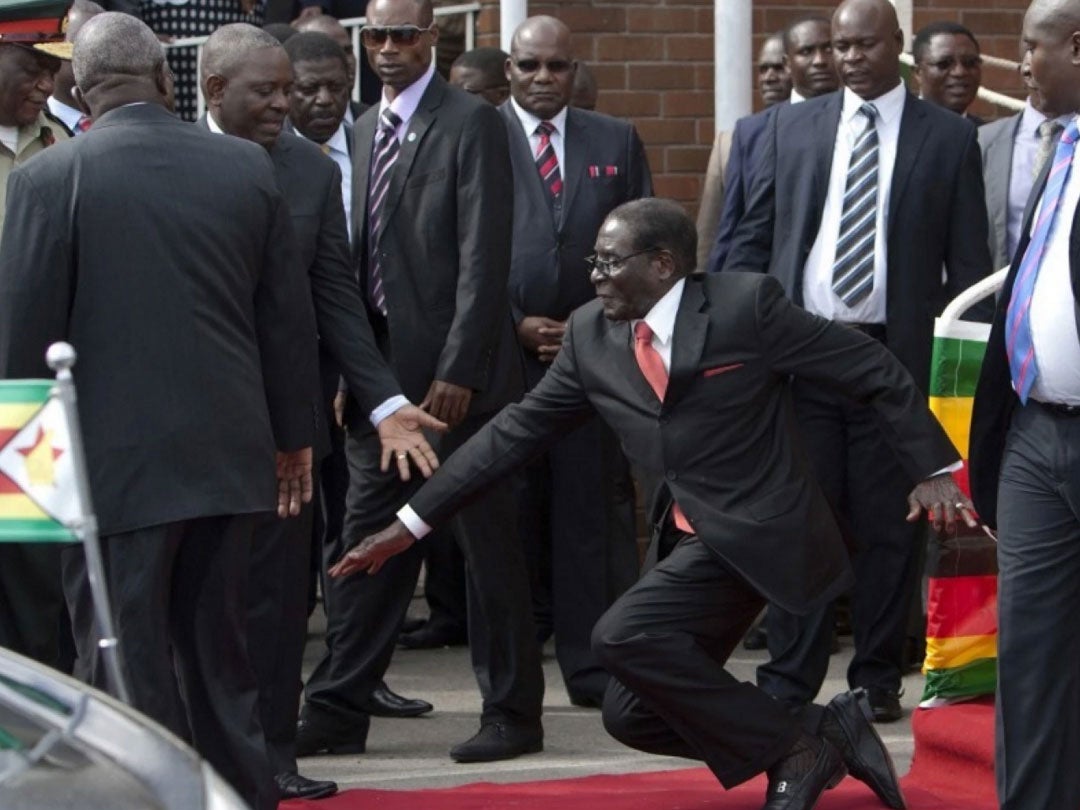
[
  {"x": 364, "y": 613},
  {"x": 1038, "y": 701},
  {"x": 179, "y": 598},
  {"x": 665, "y": 643},
  {"x": 865, "y": 485},
  {"x": 31, "y": 601},
  {"x": 577, "y": 513}
]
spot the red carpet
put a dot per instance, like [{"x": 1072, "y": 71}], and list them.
[{"x": 952, "y": 770}]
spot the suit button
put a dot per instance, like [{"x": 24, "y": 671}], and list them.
[{"x": 671, "y": 476}]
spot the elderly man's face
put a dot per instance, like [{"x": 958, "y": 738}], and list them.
[
  {"x": 626, "y": 278},
  {"x": 254, "y": 101},
  {"x": 320, "y": 95},
  {"x": 541, "y": 72},
  {"x": 950, "y": 72},
  {"x": 26, "y": 82}
]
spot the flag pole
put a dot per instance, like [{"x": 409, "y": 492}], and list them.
[{"x": 61, "y": 357}]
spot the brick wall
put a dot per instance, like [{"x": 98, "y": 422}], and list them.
[{"x": 653, "y": 62}]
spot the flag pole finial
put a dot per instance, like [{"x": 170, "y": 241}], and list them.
[{"x": 60, "y": 356}]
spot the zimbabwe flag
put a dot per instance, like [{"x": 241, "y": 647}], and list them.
[{"x": 38, "y": 500}]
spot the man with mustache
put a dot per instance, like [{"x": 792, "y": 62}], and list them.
[{"x": 948, "y": 67}]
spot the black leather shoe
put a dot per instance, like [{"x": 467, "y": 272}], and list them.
[
  {"x": 884, "y": 704},
  {"x": 495, "y": 741},
  {"x": 295, "y": 786},
  {"x": 586, "y": 700},
  {"x": 384, "y": 703},
  {"x": 320, "y": 731},
  {"x": 849, "y": 728},
  {"x": 412, "y": 625},
  {"x": 431, "y": 637},
  {"x": 802, "y": 792}
]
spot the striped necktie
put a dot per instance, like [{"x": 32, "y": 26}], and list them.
[
  {"x": 1018, "y": 341},
  {"x": 1048, "y": 132},
  {"x": 385, "y": 153},
  {"x": 547, "y": 163},
  {"x": 853, "y": 269}
]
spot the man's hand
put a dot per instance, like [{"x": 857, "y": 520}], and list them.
[
  {"x": 294, "y": 481},
  {"x": 447, "y": 402},
  {"x": 374, "y": 551},
  {"x": 941, "y": 498},
  {"x": 401, "y": 438},
  {"x": 541, "y": 336},
  {"x": 339, "y": 409}
]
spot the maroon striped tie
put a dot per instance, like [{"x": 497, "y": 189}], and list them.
[
  {"x": 384, "y": 154},
  {"x": 547, "y": 163}
]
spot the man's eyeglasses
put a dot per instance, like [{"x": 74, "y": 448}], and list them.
[
  {"x": 375, "y": 36},
  {"x": 558, "y": 66},
  {"x": 605, "y": 267},
  {"x": 966, "y": 62}
]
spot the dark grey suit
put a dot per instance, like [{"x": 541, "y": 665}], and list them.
[
  {"x": 936, "y": 218},
  {"x": 723, "y": 441},
  {"x": 577, "y": 502},
  {"x": 445, "y": 253},
  {"x": 156, "y": 250},
  {"x": 996, "y": 141}
]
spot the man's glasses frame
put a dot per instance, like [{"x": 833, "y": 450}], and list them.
[
  {"x": 605, "y": 268},
  {"x": 375, "y": 36}
]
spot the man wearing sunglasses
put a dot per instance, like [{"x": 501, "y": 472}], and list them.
[
  {"x": 571, "y": 168},
  {"x": 948, "y": 67},
  {"x": 433, "y": 218}
]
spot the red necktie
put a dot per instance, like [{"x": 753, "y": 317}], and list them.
[
  {"x": 547, "y": 162},
  {"x": 652, "y": 367},
  {"x": 83, "y": 123}
]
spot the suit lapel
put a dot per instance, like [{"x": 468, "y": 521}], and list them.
[
  {"x": 622, "y": 352},
  {"x": 574, "y": 170},
  {"x": 913, "y": 131},
  {"x": 363, "y": 141},
  {"x": 827, "y": 122},
  {"x": 998, "y": 173},
  {"x": 522, "y": 156},
  {"x": 688, "y": 342}
]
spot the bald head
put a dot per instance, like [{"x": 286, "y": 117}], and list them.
[
  {"x": 119, "y": 60},
  {"x": 867, "y": 43},
  {"x": 541, "y": 67},
  {"x": 1051, "y": 41},
  {"x": 230, "y": 46}
]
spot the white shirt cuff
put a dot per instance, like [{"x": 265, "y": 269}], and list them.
[
  {"x": 413, "y": 522},
  {"x": 388, "y": 408},
  {"x": 956, "y": 465}
]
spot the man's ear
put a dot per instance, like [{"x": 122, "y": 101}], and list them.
[
  {"x": 214, "y": 89},
  {"x": 77, "y": 94},
  {"x": 667, "y": 264},
  {"x": 1074, "y": 43}
]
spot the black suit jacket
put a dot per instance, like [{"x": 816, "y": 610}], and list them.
[
  {"x": 936, "y": 216},
  {"x": 548, "y": 274},
  {"x": 724, "y": 439},
  {"x": 155, "y": 249},
  {"x": 445, "y": 246},
  {"x": 994, "y": 395}
]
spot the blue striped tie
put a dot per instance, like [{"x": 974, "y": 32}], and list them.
[
  {"x": 384, "y": 154},
  {"x": 1018, "y": 342},
  {"x": 853, "y": 268}
]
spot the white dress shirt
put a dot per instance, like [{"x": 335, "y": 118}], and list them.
[
  {"x": 69, "y": 115},
  {"x": 1053, "y": 317},
  {"x": 530, "y": 122},
  {"x": 405, "y": 103},
  {"x": 818, "y": 295}
]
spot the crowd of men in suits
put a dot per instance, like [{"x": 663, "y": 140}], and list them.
[{"x": 471, "y": 273}]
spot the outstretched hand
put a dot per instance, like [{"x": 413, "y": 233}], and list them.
[
  {"x": 943, "y": 502},
  {"x": 401, "y": 437},
  {"x": 373, "y": 551},
  {"x": 294, "y": 481}
]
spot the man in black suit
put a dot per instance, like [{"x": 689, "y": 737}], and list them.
[
  {"x": 693, "y": 374},
  {"x": 156, "y": 250},
  {"x": 571, "y": 168},
  {"x": 246, "y": 77},
  {"x": 809, "y": 61},
  {"x": 861, "y": 198},
  {"x": 433, "y": 218},
  {"x": 948, "y": 67},
  {"x": 1025, "y": 454}
]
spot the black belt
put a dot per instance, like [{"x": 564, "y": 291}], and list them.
[
  {"x": 874, "y": 330},
  {"x": 1058, "y": 408}
]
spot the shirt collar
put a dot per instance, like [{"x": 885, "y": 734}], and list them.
[
  {"x": 889, "y": 105},
  {"x": 213, "y": 125},
  {"x": 530, "y": 122},
  {"x": 796, "y": 96},
  {"x": 405, "y": 103},
  {"x": 65, "y": 112},
  {"x": 1030, "y": 119},
  {"x": 338, "y": 142},
  {"x": 661, "y": 318}
]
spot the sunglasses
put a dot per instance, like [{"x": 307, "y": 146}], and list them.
[
  {"x": 375, "y": 36},
  {"x": 558, "y": 66},
  {"x": 605, "y": 268},
  {"x": 967, "y": 62}
]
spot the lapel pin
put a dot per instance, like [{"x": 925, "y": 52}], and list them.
[{"x": 411, "y": 137}]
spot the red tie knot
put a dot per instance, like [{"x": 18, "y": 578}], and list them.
[
  {"x": 545, "y": 128},
  {"x": 643, "y": 332}
]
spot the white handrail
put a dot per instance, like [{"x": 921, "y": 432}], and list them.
[{"x": 973, "y": 295}]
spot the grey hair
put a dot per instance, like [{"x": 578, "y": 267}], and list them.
[
  {"x": 111, "y": 44},
  {"x": 229, "y": 47}
]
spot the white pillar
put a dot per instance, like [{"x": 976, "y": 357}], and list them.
[
  {"x": 733, "y": 61},
  {"x": 512, "y": 13},
  {"x": 906, "y": 14}
]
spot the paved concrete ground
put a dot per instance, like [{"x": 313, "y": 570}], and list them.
[{"x": 408, "y": 754}]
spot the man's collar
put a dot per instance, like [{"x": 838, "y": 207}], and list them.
[
  {"x": 661, "y": 318},
  {"x": 405, "y": 103},
  {"x": 338, "y": 142},
  {"x": 889, "y": 105},
  {"x": 530, "y": 122},
  {"x": 65, "y": 112},
  {"x": 796, "y": 96},
  {"x": 212, "y": 123}
]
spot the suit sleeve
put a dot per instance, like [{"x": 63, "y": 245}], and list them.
[
  {"x": 339, "y": 308},
  {"x": 285, "y": 326},
  {"x": 485, "y": 219},
  {"x": 967, "y": 258},
  {"x": 734, "y": 204},
  {"x": 751, "y": 243},
  {"x": 518, "y": 433},
  {"x": 858, "y": 367},
  {"x": 640, "y": 180},
  {"x": 36, "y": 281}
]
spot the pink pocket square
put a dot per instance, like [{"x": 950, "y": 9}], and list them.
[
  {"x": 603, "y": 171},
  {"x": 712, "y": 372}
]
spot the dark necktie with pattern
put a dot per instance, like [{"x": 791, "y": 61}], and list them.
[
  {"x": 853, "y": 269},
  {"x": 384, "y": 155},
  {"x": 547, "y": 163}
]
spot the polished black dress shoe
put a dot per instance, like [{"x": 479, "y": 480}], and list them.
[
  {"x": 884, "y": 704},
  {"x": 431, "y": 637},
  {"x": 295, "y": 786},
  {"x": 801, "y": 790},
  {"x": 495, "y": 741},
  {"x": 586, "y": 700},
  {"x": 412, "y": 625},
  {"x": 384, "y": 703},
  {"x": 320, "y": 731},
  {"x": 848, "y": 726}
]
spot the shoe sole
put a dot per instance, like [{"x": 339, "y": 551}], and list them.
[{"x": 532, "y": 748}]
